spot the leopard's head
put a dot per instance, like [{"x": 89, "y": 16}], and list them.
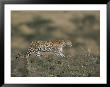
[{"x": 68, "y": 43}]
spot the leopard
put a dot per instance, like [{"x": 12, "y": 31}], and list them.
[{"x": 39, "y": 47}]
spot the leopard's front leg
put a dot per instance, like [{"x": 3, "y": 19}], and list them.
[{"x": 59, "y": 51}]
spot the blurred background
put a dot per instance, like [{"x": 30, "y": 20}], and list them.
[{"x": 81, "y": 27}]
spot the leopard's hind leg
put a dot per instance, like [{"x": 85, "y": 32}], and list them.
[{"x": 38, "y": 54}]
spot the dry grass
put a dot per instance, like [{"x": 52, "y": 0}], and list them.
[{"x": 82, "y": 28}]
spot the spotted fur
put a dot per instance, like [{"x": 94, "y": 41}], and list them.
[{"x": 53, "y": 46}]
